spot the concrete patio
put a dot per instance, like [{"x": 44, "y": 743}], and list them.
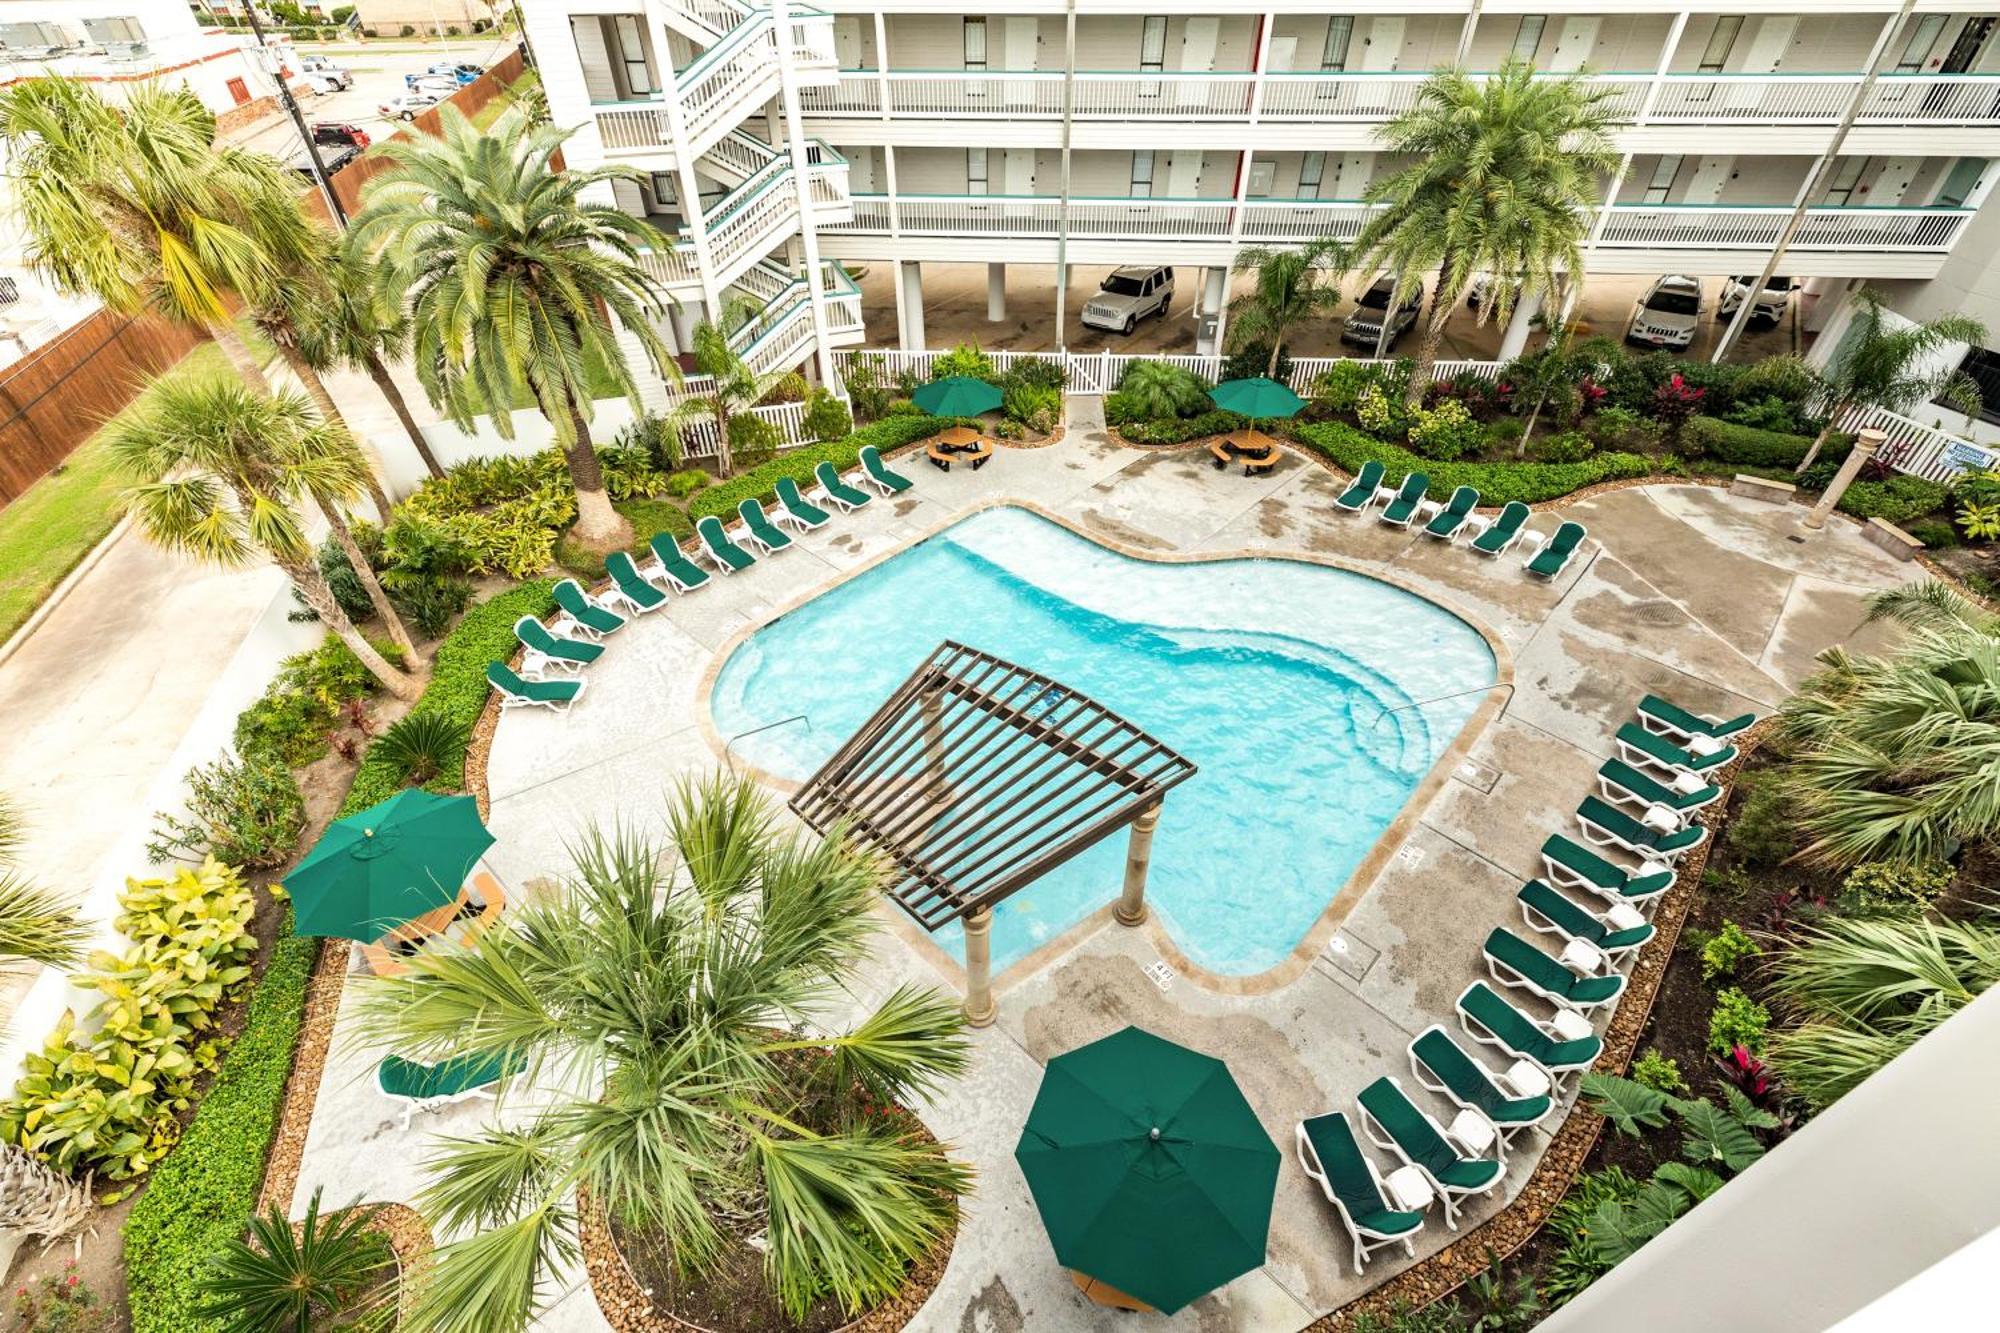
[{"x": 1682, "y": 590}]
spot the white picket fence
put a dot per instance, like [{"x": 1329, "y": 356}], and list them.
[{"x": 1926, "y": 451}]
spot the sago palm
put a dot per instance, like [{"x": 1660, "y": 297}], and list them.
[
  {"x": 220, "y": 470},
  {"x": 295, "y": 1280},
  {"x": 142, "y": 207},
  {"x": 35, "y": 925},
  {"x": 736, "y": 387},
  {"x": 512, "y": 274},
  {"x": 1884, "y": 361},
  {"x": 678, "y": 1020},
  {"x": 1287, "y": 288},
  {"x": 1503, "y": 177}
]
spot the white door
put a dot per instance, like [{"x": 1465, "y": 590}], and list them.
[
  {"x": 1893, "y": 182},
  {"x": 1705, "y": 186},
  {"x": 1764, "y": 53},
  {"x": 847, "y": 41},
  {"x": 1575, "y": 43},
  {"x": 1383, "y": 45},
  {"x": 1284, "y": 54},
  {"x": 1020, "y": 53},
  {"x": 1198, "y": 37},
  {"x": 1347, "y": 175},
  {"x": 1184, "y": 173}
]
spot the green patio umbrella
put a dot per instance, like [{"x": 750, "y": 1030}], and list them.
[
  {"x": 1151, "y": 1172},
  {"x": 1258, "y": 399},
  {"x": 956, "y": 396},
  {"x": 387, "y": 865}
]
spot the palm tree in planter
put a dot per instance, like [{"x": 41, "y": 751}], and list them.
[
  {"x": 220, "y": 470},
  {"x": 1503, "y": 179},
  {"x": 672, "y": 1022},
  {"x": 737, "y": 387},
  {"x": 1884, "y": 361},
  {"x": 1288, "y": 287},
  {"x": 140, "y": 206},
  {"x": 512, "y": 273}
]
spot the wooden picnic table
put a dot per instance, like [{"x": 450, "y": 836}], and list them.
[
  {"x": 385, "y": 956},
  {"x": 1257, "y": 453},
  {"x": 942, "y": 458},
  {"x": 958, "y": 437}
]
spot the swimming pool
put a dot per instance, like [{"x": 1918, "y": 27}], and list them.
[{"x": 1307, "y": 696}]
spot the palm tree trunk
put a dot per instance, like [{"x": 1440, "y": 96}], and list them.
[
  {"x": 238, "y": 354},
  {"x": 1271, "y": 366},
  {"x": 725, "y": 460},
  {"x": 358, "y": 560},
  {"x": 401, "y": 406},
  {"x": 1819, "y": 442},
  {"x": 305, "y": 574},
  {"x": 1427, "y": 350},
  {"x": 599, "y": 526},
  {"x": 329, "y": 412}
]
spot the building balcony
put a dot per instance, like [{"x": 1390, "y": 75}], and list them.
[{"x": 754, "y": 218}]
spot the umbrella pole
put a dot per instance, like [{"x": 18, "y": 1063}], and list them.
[
  {"x": 979, "y": 1008},
  {"x": 1131, "y": 909}
]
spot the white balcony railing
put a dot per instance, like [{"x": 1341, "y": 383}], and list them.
[
  {"x": 1687, "y": 226},
  {"x": 782, "y": 331},
  {"x": 756, "y": 216},
  {"x": 1801, "y": 99}
]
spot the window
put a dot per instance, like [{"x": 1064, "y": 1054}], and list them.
[
  {"x": 1923, "y": 36},
  {"x": 1339, "y": 36},
  {"x": 1983, "y": 368},
  {"x": 1142, "y": 173},
  {"x": 1528, "y": 37},
  {"x": 1153, "y": 43},
  {"x": 1959, "y": 182},
  {"x": 1846, "y": 178},
  {"x": 1312, "y": 169},
  {"x": 1662, "y": 183},
  {"x": 239, "y": 91},
  {"x": 628, "y": 48},
  {"x": 1721, "y": 38},
  {"x": 975, "y": 43},
  {"x": 975, "y": 171},
  {"x": 666, "y": 196}
]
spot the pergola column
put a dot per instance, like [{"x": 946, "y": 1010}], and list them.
[
  {"x": 1865, "y": 445},
  {"x": 1131, "y": 909},
  {"x": 979, "y": 1008}
]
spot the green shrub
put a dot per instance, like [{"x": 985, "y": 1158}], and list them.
[
  {"x": 1724, "y": 951},
  {"x": 1766, "y": 413},
  {"x": 292, "y": 717},
  {"x": 1732, "y": 885},
  {"x": 1505, "y": 433},
  {"x": 1936, "y": 533},
  {"x": 1784, "y": 378},
  {"x": 790, "y": 388},
  {"x": 1153, "y": 389},
  {"x": 965, "y": 359},
  {"x": 427, "y": 742},
  {"x": 827, "y": 418},
  {"x": 752, "y": 440},
  {"x": 1621, "y": 428},
  {"x": 340, "y": 577},
  {"x": 1446, "y": 432},
  {"x": 1036, "y": 373},
  {"x": 1037, "y": 409},
  {"x": 759, "y": 483},
  {"x": 1253, "y": 360},
  {"x": 108, "y": 1096},
  {"x": 1897, "y": 500},
  {"x": 1179, "y": 430},
  {"x": 1748, "y": 446},
  {"x": 630, "y": 470},
  {"x": 1382, "y": 413},
  {"x": 652, "y": 517},
  {"x": 869, "y": 386},
  {"x": 680, "y": 485},
  {"x": 1895, "y": 888},
  {"x": 1570, "y": 446},
  {"x": 243, "y": 812},
  {"x": 1497, "y": 483},
  {"x": 1764, "y": 830},
  {"x": 1659, "y": 1072},
  {"x": 1737, "y": 1020}
]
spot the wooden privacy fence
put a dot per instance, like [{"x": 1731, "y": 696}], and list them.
[{"x": 55, "y": 397}]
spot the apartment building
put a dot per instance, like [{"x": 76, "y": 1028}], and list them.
[
  {"x": 1095, "y": 133},
  {"x": 119, "y": 44}
]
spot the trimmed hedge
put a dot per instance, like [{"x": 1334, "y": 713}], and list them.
[
  {"x": 1747, "y": 446},
  {"x": 1497, "y": 483},
  {"x": 761, "y": 482},
  {"x": 1898, "y": 500},
  {"x": 1179, "y": 430}
]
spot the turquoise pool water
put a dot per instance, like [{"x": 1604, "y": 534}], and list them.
[{"x": 1276, "y": 678}]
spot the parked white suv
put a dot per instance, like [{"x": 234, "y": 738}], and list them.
[
  {"x": 1128, "y": 296},
  {"x": 1772, "y": 302},
  {"x": 1667, "y": 314}
]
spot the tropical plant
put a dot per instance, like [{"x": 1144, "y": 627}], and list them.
[
  {"x": 36, "y": 926},
  {"x": 1577, "y": 1264},
  {"x": 515, "y": 279},
  {"x": 1161, "y": 389},
  {"x": 348, "y": 325},
  {"x": 245, "y": 811},
  {"x": 424, "y": 744},
  {"x": 1287, "y": 288},
  {"x": 1617, "y": 1228},
  {"x": 1503, "y": 179},
  {"x": 1660, "y": 1072},
  {"x": 1895, "y": 888},
  {"x": 1722, "y": 1136},
  {"x": 826, "y": 418},
  {"x": 1884, "y": 361},
  {"x": 63, "y": 1303},
  {"x": 1725, "y": 951},
  {"x": 286, "y": 1279},
  {"x": 699, "y": 1113},
  {"x": 139, "y": 205},
  {"x": 1737, "y": 1020},
  {"x": 736, "y": 388},
  {"x": 965, "y": 360},
  {"x": 36, "y": 1201}
]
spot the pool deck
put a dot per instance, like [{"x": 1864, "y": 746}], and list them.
[{"x": 1684, "y": 591}]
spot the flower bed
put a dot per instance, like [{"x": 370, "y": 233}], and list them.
[{"x": 1497, "y": 483}]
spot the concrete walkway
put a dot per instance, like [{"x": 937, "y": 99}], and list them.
[{"x": 1683, "y": 590}]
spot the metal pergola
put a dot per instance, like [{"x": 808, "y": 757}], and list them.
[{"x": 978, "y": 776}]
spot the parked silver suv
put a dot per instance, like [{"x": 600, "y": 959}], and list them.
[
  {"x": 1363, "y": 325},
  {"x": 1128, "y": 296}
]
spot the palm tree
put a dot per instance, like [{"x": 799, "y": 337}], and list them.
[
  {"x": 141, "y": 207},
  {"x": 1883, "y": 361},
  {"x": 1288, "y": 288},
  {"x": 512, "y": 276},
  {"x": 737, "y": 387},
  {"x": 1503, "y": 176},
  {"x": 35, "y": 926},
  {"x": 219, "y": 469},
  {"x": 349, "y": 327},
  {"x": 286, "y": 1280},
  {"x": 672, "y": 1023}
]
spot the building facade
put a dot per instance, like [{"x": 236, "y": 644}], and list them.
[{"x": 780, "y": 144}]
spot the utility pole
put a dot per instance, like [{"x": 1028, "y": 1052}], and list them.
[{"x": 285, "y": 99}]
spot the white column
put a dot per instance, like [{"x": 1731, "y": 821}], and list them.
[
  {"x": 1062, "y": 306},
  {"x": 1865, "y": 444},
  {"x": 996, "y": 293},
  {"x": 1131, "y": 908},
  {"x": 788, "y": 84},
  {"x": 1515, "y": 340},
  {"x": 979, "y": 1008},
  {"x": 1214, "y": 294},
  {"x": 911, "y": 329}
]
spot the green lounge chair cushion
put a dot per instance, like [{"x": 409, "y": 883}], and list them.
[
  {"x": 829, "y": 478},
  {"x": 1503, "y": 528},
  {"x": 569, "y": 596},
  {"x": 1621, "y": 825},
  {"x": 420, "y": 1082},
  {"x": 759, "y": 526},
  {"x": 535, "y": 634},
  {"x": 871, "y": 458},
  {"x": 1469, "y": 1081},
  {"x": 1666, "y": 752},
  {"x": 1361, "y": 489},
  {"x": 1555, "y": 906},
  {"x": 1332, "y": 1140},
  {"x": 1548, "y": 974},
  {"x": 1408, "y": 496},
  {"x": 719, "y": 544},
  {"x": 503, "y": 677},
  {"x": 1426, "y": 1147},
  {"x": 626, "y": 575},
  {"x": 1549, "y": 561},
  {"x": 1577, "y": 858},
  {"x": 668, "y": 552},
  {"x": 1452, "y": 517},
  {"x": 1629, "y": 779},
  {"x": 1490, "y": 1010},
  {"x": 802, "y": 509},
  {"x": 1681, "y": 720}
]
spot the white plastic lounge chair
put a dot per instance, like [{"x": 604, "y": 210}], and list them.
[
  {"x": 1402, "y": 507},
  {"x": 1440, "y": 1064},
  {"x": 1617, "y": 933},
  {"x": 1329, "y": 1155},
  {"x": 1640, "y": 746},
  {"x": 1663, "y": 718},
  {"x": 1396, "y": 1124},
  {"x": 1503, "y": 531},
  {"x": 545, "y": 652},
  {"x": 1622, "y": 784},
  {"x": 1607, "y": 826},
  {"x": 1513, "y": 961},
  {"x": 1549, "y": 558},
  {"x": 670, "y": 563},
  {"x": 1573, "y": 865},
  {"x": 1360, "y": 493},
  {"x": 1563, "y": 1045},
  {"x": 421, "y": 1087},
  {"x": 629, "y": 587},
  {"x": 555, "y": 695}
]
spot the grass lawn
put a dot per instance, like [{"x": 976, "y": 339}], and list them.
[{"x": 57, "y": 520}]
